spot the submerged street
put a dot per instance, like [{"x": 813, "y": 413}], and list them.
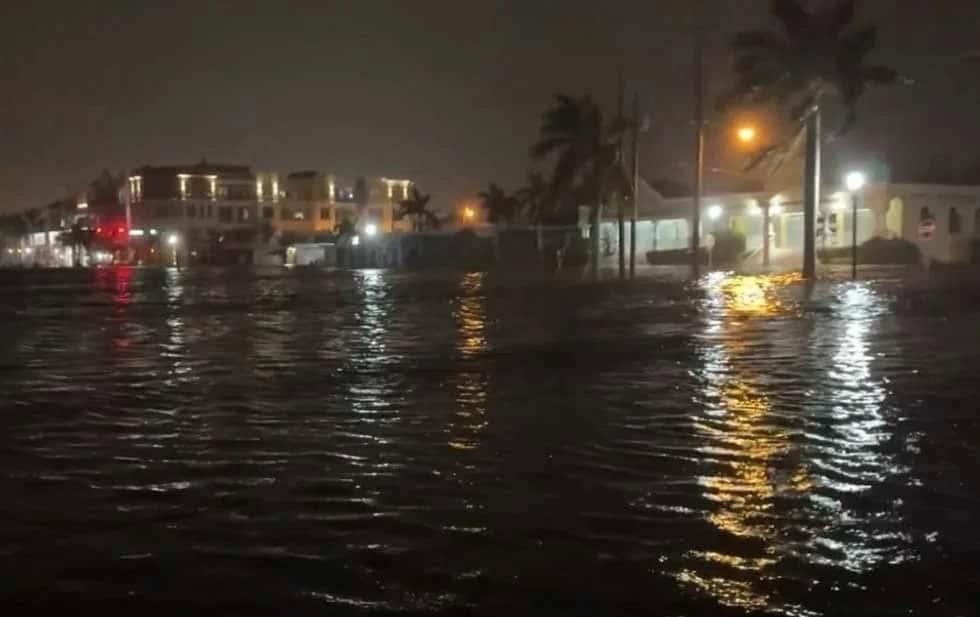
[{"x": 373, "y": 441}]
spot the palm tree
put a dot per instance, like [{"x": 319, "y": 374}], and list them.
[
  {"x": 500, "y": 207},
  {"x": 536, "y": 204},
  {"x": 534, "y": 199},
  {"x": 346, "y": 227},
  {"x": 816, "y": 57},
  {"x": 587, "y": 154},
  {"x": 416, "y": 206}
]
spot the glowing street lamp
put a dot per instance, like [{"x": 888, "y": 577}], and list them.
[
  {"x": 371, "y": 229},
  {"x": 854, "y": 181},
  {"x": 746, "y": 134},
  {"x": 172, "y": 240},
  {"x": 469, "y": 214}
]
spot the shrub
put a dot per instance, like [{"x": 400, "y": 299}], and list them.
[{"x": 876, "y": 251}]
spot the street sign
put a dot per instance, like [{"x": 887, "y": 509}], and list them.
[{"x": 927, "y": 228}]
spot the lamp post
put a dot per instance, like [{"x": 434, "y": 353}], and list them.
[
  {"x": 854, "y": 181},
  {"x": 172, "y": 240}
]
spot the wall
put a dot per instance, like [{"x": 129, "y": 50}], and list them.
[{"x": 945, "y": 244}]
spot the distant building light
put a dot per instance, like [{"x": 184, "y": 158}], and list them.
[
  {"x": 135, "y": 233},
  {"x": 371, "y": 229},
  {"x": 355, "y": 241},
  {"x": 715, "y": 212},
  {"x": 82, "y": 205},
  {"x": 153, "y": 232},
  {"x": 776, "y": 208},
  {"x": 28, "y": 250},
  {"x": 172, "y": 239},
  {"x": 754, "y": 209},
  {"x": 10, "y": 251}
]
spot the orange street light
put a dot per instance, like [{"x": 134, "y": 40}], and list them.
[
  {"x": 469, "y": 214},
  {"x": 746, "y": 134}
]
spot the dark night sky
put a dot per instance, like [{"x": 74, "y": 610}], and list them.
[{"x": 446, "y": 92}]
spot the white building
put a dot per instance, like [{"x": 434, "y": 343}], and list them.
[{"x": 942, "y": 220}]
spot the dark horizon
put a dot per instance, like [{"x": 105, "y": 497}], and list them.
[{"x": 445, "y": 93}]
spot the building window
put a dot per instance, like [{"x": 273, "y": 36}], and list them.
[
  {"x": 324, "y": 214},
  {"x": 955, "y": 221},
  {"x": 268, "y": 212},
  {"x": 243, "y": 215},
  {"x": 224, "y": 214}
]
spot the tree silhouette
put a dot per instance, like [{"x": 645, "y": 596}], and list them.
[
  {"x": 815, "y": 57},
  {"x": 586, "y": 154},
  {"x": 416, "y": 207},
  {"x": 500, "y": 207}
]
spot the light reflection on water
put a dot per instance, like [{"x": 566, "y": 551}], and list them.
[
  {"x": 742, "y": 443},
  {"x": 471, "y": 382},
  {"x": 447, "y": 443}
]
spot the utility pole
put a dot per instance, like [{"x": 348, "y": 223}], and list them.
[
  {"x": 811, "y": 193},
  {"x": 636, "y": 182},
  {"x": 699, "y": 149},
  {"x": 621, "y": 244}
]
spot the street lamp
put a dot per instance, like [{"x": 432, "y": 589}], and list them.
[
  {"x": 469, "y": 214},
  {"x": 854, "y": 181},
  {"x": 746, "y": 134},
  {"x": 371, "y": 229},
  {"x": 172, "y": 240}
]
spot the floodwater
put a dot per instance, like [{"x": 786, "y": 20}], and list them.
[{"x": 303, "y": 442}]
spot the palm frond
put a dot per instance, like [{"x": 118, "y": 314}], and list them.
[{"x": 795, "y": 19}]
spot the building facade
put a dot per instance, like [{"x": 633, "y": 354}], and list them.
[
  {"x": 943, "y": 221},
  {"x": 228, "y": 213}
]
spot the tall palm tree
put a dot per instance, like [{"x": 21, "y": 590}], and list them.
[
  {"x": 587, "y": 154},
  {"x": 500, "y": 207},
  {"x": 417, "y": 207},
  {"x": 536, "y": 204},
  {"x": 534, "y": 199},
  {"x": 816, "y": 57}
]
